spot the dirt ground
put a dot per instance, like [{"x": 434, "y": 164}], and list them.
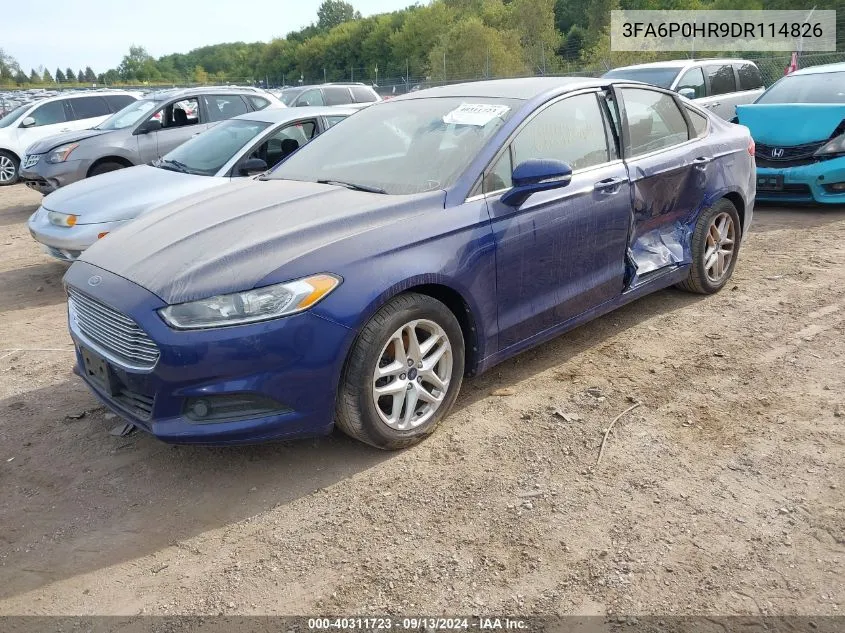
[{"x": 721, "y": 494}]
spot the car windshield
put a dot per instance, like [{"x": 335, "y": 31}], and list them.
[
  {"x": 205, "y": 154},
  {"x": 289, "y": 95},
  {"x": 130, "y": 115},
  {"x": 662, "y": 77},
  {"x": 815, "y": 88},
  {"x": 401, "y": 147},
  {"x": 10, "y": 118}
]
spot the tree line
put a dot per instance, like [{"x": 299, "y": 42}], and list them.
[{"x": 441, "y": 40}]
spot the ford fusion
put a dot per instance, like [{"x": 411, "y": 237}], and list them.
[
  {"x": 72, "y": 218},
  {"x": 422, "y": 240},
  {"x": 799, "y": 127}
]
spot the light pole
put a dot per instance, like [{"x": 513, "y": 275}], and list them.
[{"x": 377, "y": 74}]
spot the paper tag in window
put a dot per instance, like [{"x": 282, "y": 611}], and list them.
[{"x": 479, "y": 114}]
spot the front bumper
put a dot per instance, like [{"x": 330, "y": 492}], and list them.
[
  {"x": 67, "y": 242},
  {"x": 806, "y": 183},
  {"x": 295, "y": 361},
  {"x": 46, "y": 177}
]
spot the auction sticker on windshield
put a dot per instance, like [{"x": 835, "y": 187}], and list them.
[{"x": 479, "y": 114}]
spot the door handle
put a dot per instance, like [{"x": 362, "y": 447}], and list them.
[
  {"x": 609, "y": 185},
  {"x": 700, "y": 162}
]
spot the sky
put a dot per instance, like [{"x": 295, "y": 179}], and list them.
[{"x": 98, "y": 33}]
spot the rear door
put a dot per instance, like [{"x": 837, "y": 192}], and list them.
[
  {"x": 721, "y": 90},
  {"x": 88, "y": 111},
  {"x": 562, "y": 251},
  {"x": 667, "y": 169}
]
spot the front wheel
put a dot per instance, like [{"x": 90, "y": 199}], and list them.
[
  {"x": 403, "y": 373},
  {"x": 104, "y": 168},
  {"x": 715, "y": 246},
  {"x": 9, "y": 167}
]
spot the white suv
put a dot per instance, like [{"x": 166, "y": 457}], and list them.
[
  {"x": 63, "y": 113},
  {"x": 716, "y": 84}
]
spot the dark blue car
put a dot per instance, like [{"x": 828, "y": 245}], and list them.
[{"x": 421, "y": 240}]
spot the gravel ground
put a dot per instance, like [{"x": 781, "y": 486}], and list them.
[{"x": 721, "y": 494}]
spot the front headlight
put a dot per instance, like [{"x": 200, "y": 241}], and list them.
[
  {"x": 833, "y": 146},
  {"x": 60, "y": 154},
  {"x": 250, "y": 306},
  {"x": 62, "y": 219}
]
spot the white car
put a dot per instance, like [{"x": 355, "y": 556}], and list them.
[
  {"x": 63, "y": 113},
  {"x": 716, "y": 84}
]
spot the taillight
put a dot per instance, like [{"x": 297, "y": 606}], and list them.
[{"x": 752, "y": 147}]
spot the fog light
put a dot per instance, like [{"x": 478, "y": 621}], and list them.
[{"x": 231, "y": 407}]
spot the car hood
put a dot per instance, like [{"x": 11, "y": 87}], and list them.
[
  {"x": 791, "y": 123},
  {"x": 217, "y": 242},
  {"x": 125, "y": 193},
  {"x": 49, "y": 142}
]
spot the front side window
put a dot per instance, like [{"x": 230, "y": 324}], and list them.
[
  {"x": 362, "y": 94},
  {"x": 285, "y": 142},
  {"x": 722, "y": 80},
  {"x": 693, "y": 79},
  {"x": 402, "y": 147},
  {"x": 49, "y": 114},
  {"x": 311, "y": 98},
  {"x": 206, "y": 154},
  {"x": 179, "y": 114},
  {"x": 331, "y": 121},
  {"x": 654, "y": 121},
  {"x": 118, "y": 102},
  {"x": 288, "y": 95},
  {"x": 220, "y": 108},
  {"x": 89, "y": 107}
]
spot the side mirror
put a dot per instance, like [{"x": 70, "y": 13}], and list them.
[
  {"x": 689, "y": 93},
  {"x": 536, "y": 175},
  {"x": 28, "y": 122},
  {"x": 150, "y": 125},
  {"x": 252, "y": 166}
]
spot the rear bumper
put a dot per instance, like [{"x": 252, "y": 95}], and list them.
[{"x": 806, "y": 183}]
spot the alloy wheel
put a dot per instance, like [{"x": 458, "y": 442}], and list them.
[
  {"x": 719, "y": 249},
  {"x": 7, "y": 169}
]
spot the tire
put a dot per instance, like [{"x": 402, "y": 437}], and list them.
[
  {"x": 363, "y": 416},
  {"x": 704, "y": 279},
  {"x": 104, "y": 168},
  {"x": 9, "y": 161}
]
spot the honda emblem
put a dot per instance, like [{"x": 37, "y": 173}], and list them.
[{"x": 777, "y": 152}]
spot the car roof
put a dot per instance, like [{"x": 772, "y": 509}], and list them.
[
  {"x": 818, "y": 70},
  {"x": 161, "y": 95},
  {"x": 526, "y": 88},
  {"x": 680, "y": 63},
  {"x": 280, "y": 115},
  {"x": 76, "y": 95}
]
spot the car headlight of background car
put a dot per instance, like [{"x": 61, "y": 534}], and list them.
[
  {"x": 833, "y": 146},
  {"x": 60, "y": 154},
  {"x": 260, "y": 304},
  {"x": 62, "y": 219}
]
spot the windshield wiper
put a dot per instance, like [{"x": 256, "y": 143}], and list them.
[
  {"x": 175, "y": 165},
  {"x": 352, "y": 185}
]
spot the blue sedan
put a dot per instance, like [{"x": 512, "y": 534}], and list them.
[{"x": 422, "y": 240}]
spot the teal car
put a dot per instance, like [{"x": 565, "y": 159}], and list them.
[{"x": 798, "y": 126}]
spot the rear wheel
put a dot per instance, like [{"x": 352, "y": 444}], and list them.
[
  {"x": 403, "y": 373},
  {"x": 715, "y": 246},
  {"x": 9, "y": 168},
  {"x": 104, "y": 168}
]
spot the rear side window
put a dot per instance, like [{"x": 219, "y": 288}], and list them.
[
  {"x": 363, "y": 94},
  {"x": 749, "y": 77},
  {"x": 222, "y": 107},
  {"x": 693, "y": 79},
  {"x": 699, "y": 122},
  {"x": 89, "y": 107},
  {"x": 722, "y": 80},
  {"x": 331, "y": 121},
  {"x": 118, "y": 102},
  {"x": 49, "y": 113},
  {"x": 654, "y": 121},
  {"x": 336, "y": 95},
  {"x": 259, "y": 103}
]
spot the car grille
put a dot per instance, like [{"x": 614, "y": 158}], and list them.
[
  {"x": 792, "y": 156},
  {"x": 30, "y": 160},
  {"x": 790, "y": 192},
  {"x": 112, "y": 331},
  {"x": 136, "y": 403}
]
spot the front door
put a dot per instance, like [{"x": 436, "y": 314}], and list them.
[
  {"x": 179, "y": 122},
  {"x": 562, "y": 251}
]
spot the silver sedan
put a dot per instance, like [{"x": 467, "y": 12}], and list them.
[{"x": 72, "y": 218}]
